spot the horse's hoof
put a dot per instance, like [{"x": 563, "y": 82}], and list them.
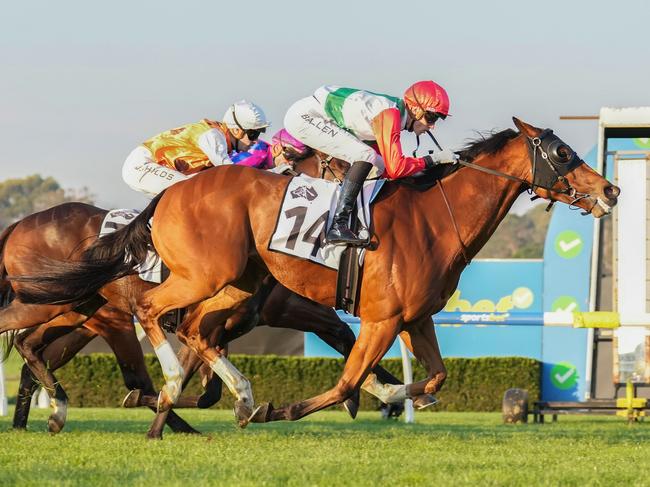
[
  {"x": 55, "y": 424},
  {"x": 56, "y": 421},
  {"x": 244, "y": 422},
  {"x": 424, "y": 401},
  {"x": 262, "y": 413},
  {"x": 132, "y": 399},
  {"x": 352, "y": 407},
  {"x": 164, "y": 402},
  {"x": 242, "y": 413},
  {"x": 154, "y": 435}
]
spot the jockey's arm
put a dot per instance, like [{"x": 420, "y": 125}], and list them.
[
  {"x": 387, "y": 128},
  {"x": 258, "y": 155},
  {"x": 213, "y": 143}
]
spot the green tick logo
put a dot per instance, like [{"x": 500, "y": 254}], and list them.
[
  {"x": 566, "y": 303},
  {"x": 643, "y": 142},
  {"x": 568, "y": 244},
  {"x": 564, "y": 375}
]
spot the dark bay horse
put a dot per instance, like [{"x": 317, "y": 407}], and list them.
[
  {"x": 55, "y": 342},
  {"x": 64, "y": 231},
  {"x": 424, "y": 238}
]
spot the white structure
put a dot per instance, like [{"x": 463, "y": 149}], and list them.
[{"x": 631, "y": 259}]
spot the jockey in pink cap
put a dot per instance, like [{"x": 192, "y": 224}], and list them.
[
  {"x": 286, "y": 149},
  {"x": 342, "y": 121}
]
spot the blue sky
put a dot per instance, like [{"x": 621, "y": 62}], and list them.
[{"x": 82, "y": 83}]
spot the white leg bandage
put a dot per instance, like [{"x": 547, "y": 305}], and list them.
[
  {"x": 387, "y": 393},
  {"x": 172, "y": 370},
  {"x": 238, "y": 385}
]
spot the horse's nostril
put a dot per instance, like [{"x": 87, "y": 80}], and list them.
[{"x": 612, "y": 192}]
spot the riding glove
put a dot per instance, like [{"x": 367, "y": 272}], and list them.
[{"x": 445, "y": 156}]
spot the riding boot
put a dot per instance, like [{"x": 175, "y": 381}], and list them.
[{"x": 340, "y": 232}]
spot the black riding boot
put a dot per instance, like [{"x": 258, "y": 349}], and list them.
[{"x": 340, "y": 232}]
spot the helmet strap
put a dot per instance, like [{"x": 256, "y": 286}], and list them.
[{"x": 234, "y": 117}]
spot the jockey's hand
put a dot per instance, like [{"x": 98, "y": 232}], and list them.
[{"x": 445, "y": 156}]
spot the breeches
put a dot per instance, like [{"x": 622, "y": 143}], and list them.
[
  {"x": 307, "y": 122},
  {"x": 145, "y": 175}
]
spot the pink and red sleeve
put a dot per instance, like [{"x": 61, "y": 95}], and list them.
[
  {"x": 387, "y": 128},
  {"x": 259, "y": 156}
]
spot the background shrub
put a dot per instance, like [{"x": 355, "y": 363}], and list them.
[{"x": 473, "y": 384}]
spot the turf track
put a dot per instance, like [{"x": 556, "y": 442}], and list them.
[{"x": 107, "y": 447}]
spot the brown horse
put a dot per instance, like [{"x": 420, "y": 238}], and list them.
[
  {"x": 50, "y": 353},
  {"x": 423, "y": 238},
  {"x": 64, "y": 231},
  {"x": 35, "y": 348}
]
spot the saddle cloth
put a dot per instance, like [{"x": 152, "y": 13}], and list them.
[
  {"x": 307, "y": 212},
  {"x": 151, "y": 270}
]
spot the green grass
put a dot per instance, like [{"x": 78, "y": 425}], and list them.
[
  {"x": 12, "y": 367},
  {"x": 107, "y": 447}
]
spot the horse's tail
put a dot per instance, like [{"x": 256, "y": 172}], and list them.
[{"x": 110, "y": 257}]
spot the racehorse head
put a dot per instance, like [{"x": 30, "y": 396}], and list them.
[{"x": 557, "y": 173}]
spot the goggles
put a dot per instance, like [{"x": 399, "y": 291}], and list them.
[{"x": 432, "y": 117}]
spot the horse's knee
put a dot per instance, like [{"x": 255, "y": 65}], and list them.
[
  {"x": 25, "y": 348},
  {"x": 19, "y": 340}
]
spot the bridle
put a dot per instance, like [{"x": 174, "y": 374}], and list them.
[
  {"x": 557, "y": 160},
  {"x": 325, "y": 166}
]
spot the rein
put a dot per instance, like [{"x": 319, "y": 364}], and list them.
[
  {"x": 325, "y": 167},
  {"x": 536, "y": 145},
  {"x": 463, "y": 247}
]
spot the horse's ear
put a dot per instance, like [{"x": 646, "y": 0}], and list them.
[{"x": 525, "y": 128}]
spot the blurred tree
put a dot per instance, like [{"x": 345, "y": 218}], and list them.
[
  {"x": 22, "y": 196},
  {"x": 519, "y": 236}
]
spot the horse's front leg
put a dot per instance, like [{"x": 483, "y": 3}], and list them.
[
  {"x": 374, "y": 341},
  {"x": 420, "y": 338},
  {"x": 203, "y": 328}
]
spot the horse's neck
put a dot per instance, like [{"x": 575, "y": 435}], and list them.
[{"x": 480, "y": 201}]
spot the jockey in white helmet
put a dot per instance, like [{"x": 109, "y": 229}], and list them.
[{"x": 179, "y": 153}]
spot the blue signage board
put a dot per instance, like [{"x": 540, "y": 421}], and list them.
[{"x": 501, "y": 287}]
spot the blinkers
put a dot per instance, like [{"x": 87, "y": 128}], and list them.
[{"x": 557, "y": 160}]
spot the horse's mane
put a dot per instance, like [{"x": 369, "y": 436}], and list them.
[{"x": 486, "y": 143}]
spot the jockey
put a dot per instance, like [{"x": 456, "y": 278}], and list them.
[
  {"x": 342, "y": 121},
  {"x": 180, "y": 153},
  {"x": 286, "y": 149}
]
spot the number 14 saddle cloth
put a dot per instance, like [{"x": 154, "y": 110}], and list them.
[{"x": 306, "y": 214}]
